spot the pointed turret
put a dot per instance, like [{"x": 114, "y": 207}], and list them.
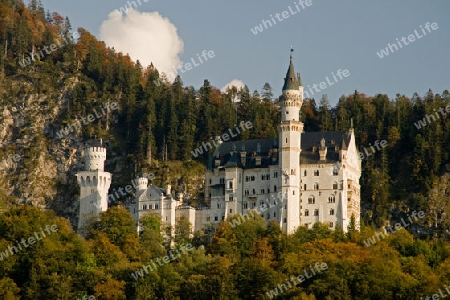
[
  {"x": 292, "y": 94},
  {"x": 291, "y": 82}
]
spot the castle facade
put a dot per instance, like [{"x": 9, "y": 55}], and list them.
[{"x": 298, "y": 179}]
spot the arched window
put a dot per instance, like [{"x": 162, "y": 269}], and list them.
[
  {"x": 331, "y": 212},
  {"x": 332, "y": 199},
  {"x": 316, "y": 185},
  {"x": 311, "y": 200},
  {"x": 335, "y": 185},
  {"x": 316, "y": 212},
  {"x": 306, "y": 213},
  {"x": 304, "y": 173},
  {"x": 316, "y": 173}
]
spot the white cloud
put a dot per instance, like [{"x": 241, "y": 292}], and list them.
[
  {"x": 235, "y": 82},
  {"x": 146, "y": 36}
]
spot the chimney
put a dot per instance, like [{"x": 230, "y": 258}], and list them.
[
  {"x": 322, "y": 150},
  {"x": 323, "y": 154},
  {"x": 243, "y": 157},
  {"x": 168, "y": 189}
]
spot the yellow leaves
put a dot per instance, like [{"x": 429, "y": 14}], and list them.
[
  {"x": 262, "y": 251},
  {"x": 111, "y": 289},
  {"x": 9, "y": 289}
]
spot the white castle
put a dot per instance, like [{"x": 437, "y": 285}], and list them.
[
  {"x": 94, "y": 183},
  {"x": 296, "y": 180}
]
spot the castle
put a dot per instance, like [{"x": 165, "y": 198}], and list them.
[
  {"x": 94, "y": 183},
  {"x": 299, "y": 179}
]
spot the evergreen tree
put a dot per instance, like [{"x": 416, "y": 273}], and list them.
[{"x": 267, "y": 93}]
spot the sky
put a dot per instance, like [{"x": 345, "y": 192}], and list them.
[{"x": 326, "y": 35}]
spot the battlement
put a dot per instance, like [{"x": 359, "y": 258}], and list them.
[
  {"x": 95, "y": 158},
  {"x": 142, "y": 183},
  {"x": 95, "y": 150}
]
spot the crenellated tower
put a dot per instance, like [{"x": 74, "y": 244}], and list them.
[
  {"x": 142, "y": 183},
  {"x": 289, "y": 132},
  {"x": 94, "y": 184}
]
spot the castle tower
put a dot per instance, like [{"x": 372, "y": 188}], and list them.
[
  {"x": 289, "y": 132},
  {"x": 94, "y": 183},
  {"x": 142, "y": 183}
]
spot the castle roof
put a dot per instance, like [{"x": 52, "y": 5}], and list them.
[
  {"x": 151, "y": 193},
  {"x": 291, "y": 82},
  {"x": 266, "y": 150}
]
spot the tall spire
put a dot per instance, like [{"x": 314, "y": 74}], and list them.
[{"x": 291, "y": 82}]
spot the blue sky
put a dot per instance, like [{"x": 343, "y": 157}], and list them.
[{"x": 327, "y": 35}]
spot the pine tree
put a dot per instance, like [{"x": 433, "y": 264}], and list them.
[{"x": 267, "y": 93}]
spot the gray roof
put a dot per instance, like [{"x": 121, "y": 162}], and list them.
[
  {"x": 332, "y": 139},
  {"x": 152, "y": 192},
  {"x": 229, "y": 153},
  {"x": 291, "y": 81}
]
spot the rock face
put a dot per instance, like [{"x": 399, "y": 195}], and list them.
[
  {"x": 43, "y": 173},
  {"x": 44, "y": 166}
]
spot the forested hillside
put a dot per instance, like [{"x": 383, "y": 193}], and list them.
[{"x": 155, "y": 128}]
